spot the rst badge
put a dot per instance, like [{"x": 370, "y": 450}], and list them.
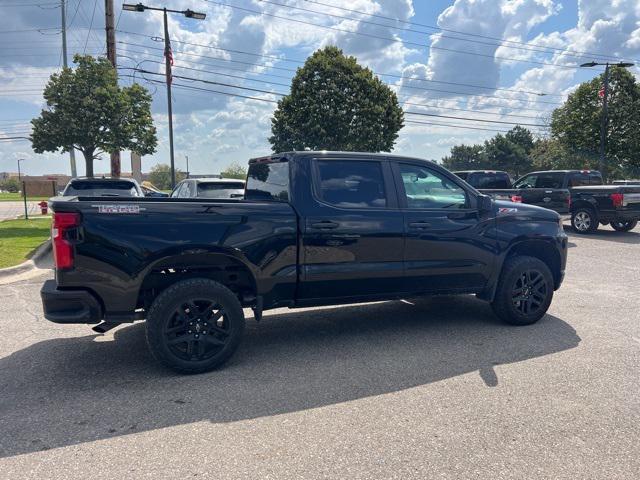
[{"x": 118, "y": 208}]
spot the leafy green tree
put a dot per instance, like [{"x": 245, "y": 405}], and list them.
[
  {"x": 551, "y": 154},
  {"x": 576, "y": 124},
  {"x": 503, "y": 154},
  {"x": 235, "y": 170},
  {"x": 466, "y": 157},
  {"x": 509, "y": 152},
  {"x": 522, "y": 137},
  {"x": 336, "y": 104},
  {"x": 160, "y": 176},
  {"x": 88, "y": 111},
  {"x": 11, "y": 185}
]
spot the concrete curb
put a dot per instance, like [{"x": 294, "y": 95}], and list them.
[{"x": 30, "y": 264}]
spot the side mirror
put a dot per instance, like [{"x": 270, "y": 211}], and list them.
[{"x": 485, "y": 203}]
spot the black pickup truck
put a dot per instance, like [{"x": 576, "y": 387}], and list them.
[
  {"x": 313, "y": 229},
  {"x": 549, "y": 189},
  {"x": 618, "y": 205}
]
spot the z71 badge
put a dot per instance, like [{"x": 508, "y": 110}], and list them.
[
  {"x": 507, "y": 210},
  {"x": 118, "y": 209}
]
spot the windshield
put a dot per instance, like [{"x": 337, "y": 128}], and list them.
[
  {"x": 221, "y": 189},
  {"x": 489, "y": 180},
  {"x": 541, "y": 180},
  {"x": 99, "y": 188}
]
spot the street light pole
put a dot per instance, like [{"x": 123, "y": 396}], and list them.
[
  {"x": 19, "y": 173},
  {"x": 168, "y": 61},
  {"x": 187, "y": 158},
  {"x": 604, "y": 119}
]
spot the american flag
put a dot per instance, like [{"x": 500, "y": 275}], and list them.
[{"x": 600, "y": 92}]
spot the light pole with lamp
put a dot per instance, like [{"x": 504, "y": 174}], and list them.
[
  {"x": 602, "y": 163},
  {"x": 168, "y": 61}
]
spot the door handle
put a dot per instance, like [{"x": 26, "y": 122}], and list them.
[
  {"x": 420, "y": 225},
  {"x": 324, "y": 225}
]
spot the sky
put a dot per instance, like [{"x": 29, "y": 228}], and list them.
[{"x": 465, "y": 69}]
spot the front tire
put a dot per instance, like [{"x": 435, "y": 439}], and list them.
[
  {"x": 524, "y": 292},
  {"x": 584, "y": 220},
  {"x": 194, "y": 325},
  {"x": 624, "y": 226}
]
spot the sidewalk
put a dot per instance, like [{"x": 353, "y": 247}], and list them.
[{"x": 10, "y": 210}]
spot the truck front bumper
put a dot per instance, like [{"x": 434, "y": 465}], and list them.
[{"x": 69, "y": 306}]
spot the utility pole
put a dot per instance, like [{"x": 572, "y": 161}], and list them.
[
  {"x": 187, "y": 158},
  {"x": 602, "y": 163},
  {"x": 604, "y": 119},
  {"x": 168, "y": 60},
  {"x": 72, "y": 152},
  {"x": 111, "y": 55}
]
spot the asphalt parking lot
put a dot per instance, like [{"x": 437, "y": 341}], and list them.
[{"x": 428, "y": 388}]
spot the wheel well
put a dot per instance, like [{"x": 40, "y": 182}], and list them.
[
  {"x": 228, "y": 271},
  {"x": 582, "y": 204},
  {"x": 543, "y": 251}
]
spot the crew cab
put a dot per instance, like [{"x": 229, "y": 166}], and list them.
[
  {"x": 618, "y": 205},
  {"x": 549, "y": 189},
  {"x": 314, "y": 228}
]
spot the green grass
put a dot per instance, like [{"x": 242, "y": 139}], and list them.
[
  {"x": 17, "y": 197},
  {"x": 18, "y": 239}
]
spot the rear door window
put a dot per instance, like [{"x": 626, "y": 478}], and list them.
[
  {"x": 268, "y": 181},
  {"x": 351, "y": 183}
]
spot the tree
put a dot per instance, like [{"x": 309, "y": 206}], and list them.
[
  {"x": 88, "y": 111},
  {"x": 11, "y": 185},
  {"x": 509, "y": 152},
  {"x": 466, "y": 157},
  {"x": 522, "y": 137},
  {"x": 503, "y": 154},
  {"x": 576, "y": 124},
  {"x": 235, "y": 170},
  {"x": 336, "y": 104},
  {"x": 160, "y": 176}
]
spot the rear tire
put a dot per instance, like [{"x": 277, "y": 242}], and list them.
[
  {"x": 624, "y": 226},
  {"x": 584, "y": 220},
  {"x": 524, "y": 292},
  {"x": 194, "y": 325}
]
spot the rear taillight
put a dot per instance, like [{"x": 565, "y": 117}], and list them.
[
  {"x": 516, "y": 198},
  {"x": 62, "y": 248},
  {"x": 617, "y": 199}
]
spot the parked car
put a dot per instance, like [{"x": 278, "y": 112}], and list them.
[
  {"x": 315, "y": 228},
  {"x": 548, "y": 189},
  {"x": 102, "y": 187},
  {"x": 209, "y": 188},
  {"x": 618, "y": 205},
  {"x": 152, "y": 192},
  {"x": 485, "y": 179}
]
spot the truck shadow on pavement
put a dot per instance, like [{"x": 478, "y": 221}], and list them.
[{"x": 69, "y": 391}]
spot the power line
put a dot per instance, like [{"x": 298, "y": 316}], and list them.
[
  {"x": 210, "y": 82},
  {"x": 93, "y": 14},
  {"x": 240, "y": 77},
  {"x": 411, "y": 87},
  {"x": 391, "y": 39},
  {"x": 360, "y": 20},
  {"x": 477, "y": 35},
  {"x": 275, "y": 57}
]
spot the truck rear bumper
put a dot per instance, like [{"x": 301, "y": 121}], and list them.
[{"x": 69, "y": 306}]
